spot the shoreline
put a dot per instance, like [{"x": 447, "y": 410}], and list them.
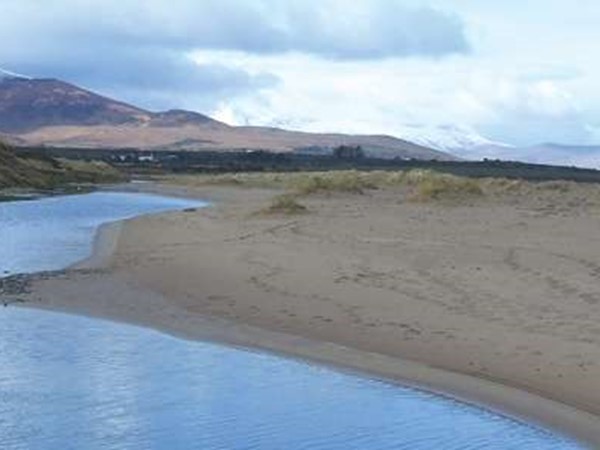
[{"x": 98, "y": 276}]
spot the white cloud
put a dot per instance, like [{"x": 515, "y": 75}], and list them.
[
  {"x": 388, "y": 96},
  {"x": 224, "y": 113},
  {"x": 361, "y": 29},
  {"x": 511, "y": 71}
]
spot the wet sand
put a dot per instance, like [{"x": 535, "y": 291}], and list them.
[{"x": 495, "y": 302}]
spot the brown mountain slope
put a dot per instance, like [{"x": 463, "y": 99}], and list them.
[
  {"x": 54, "y": 113},
  {"x": 30, "y": 104},
  {"x": 26, "y": 105}
]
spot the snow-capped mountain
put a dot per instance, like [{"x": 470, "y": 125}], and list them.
[
  {"x": 456, "y": 139},
  {"x": 549, "y": 153},
  {"x": 7, "y": 74},
  {"x": 466, "y": 143}
]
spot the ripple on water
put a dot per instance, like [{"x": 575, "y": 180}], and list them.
[{"x": 73, "y": 382}]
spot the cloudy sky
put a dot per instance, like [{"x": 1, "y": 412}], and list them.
[{"x": 451, "y": 72}]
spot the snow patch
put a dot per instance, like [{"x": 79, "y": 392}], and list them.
[
  {"x": 448, "y": 138},
  {"x": 7, "y": 74}
]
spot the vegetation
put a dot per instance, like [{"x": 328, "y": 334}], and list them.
[
  {"x": 419, "y": 186},
  {"x": 349, "y": 152},
  {"x": 285, "y": 204},
  {"x": 231, "y": 162},
  {"x": 43, "y": 172},
  {"x": 413, "y": 185},
  {"x": 350, "y": 181},
  {"x": 424, "y": 183},
  {"x": 429, "y": 186},
  {"x": 298, "y": 175}
]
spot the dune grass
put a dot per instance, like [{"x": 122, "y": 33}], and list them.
[
  {"x": 301, "y": 183},
  {"x": 437, "y": 187},
  {"x": 417, "y": 186},
  {"x": 285, "y": 204},
  {"x": 353, "y": 182},
  {"x": 296, "y": 189},
  {"x": 421, "y": 184}
]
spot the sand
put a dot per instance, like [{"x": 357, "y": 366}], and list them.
[{"x": 496, "y": 302}]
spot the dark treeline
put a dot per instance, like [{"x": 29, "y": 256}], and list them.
[{"x": 142, "y": 161}]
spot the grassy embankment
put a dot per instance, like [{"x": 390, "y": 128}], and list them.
[
  {"x": 412, "y": 186},
  {"x": 44, "y": 173}
]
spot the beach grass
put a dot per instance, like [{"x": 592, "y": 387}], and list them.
[
  {"x": 287, "y": 204},
  {"x": 350, "y": 181},
  {"x": 424, "y": 185},
  {"x": 415, "y": 186},
  {"x": 441, "y": 186}
]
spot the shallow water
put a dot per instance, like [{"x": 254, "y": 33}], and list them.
[
  {"x": 55, "y": 232},
  {"x": 70, "y": 382}
]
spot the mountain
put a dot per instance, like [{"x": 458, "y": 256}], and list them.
[
  {"x": 447, "y": 138},
  {"x": 52, "y": 112},
  {"x": 30, "y": 104},
  {"x": 9, "y": 74},
  {"x": 548, "y": 153},
  {"x": 467, "y": 143}
]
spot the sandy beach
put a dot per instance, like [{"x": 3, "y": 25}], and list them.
[{"x": 495, "y": 301}]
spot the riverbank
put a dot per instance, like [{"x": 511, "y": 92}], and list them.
[
  {"x": 29, "y": 175},
  {"x": 490, "y": 289}
]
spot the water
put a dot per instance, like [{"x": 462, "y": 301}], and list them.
[
  {"x": 55, "y": 232},
  {"x": 71, "y": 382}
]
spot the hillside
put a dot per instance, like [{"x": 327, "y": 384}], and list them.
[
  {"x": 30, "y": 104},
  {"x": 46, "y": 173},
  {"x": 48, "y": 112}
]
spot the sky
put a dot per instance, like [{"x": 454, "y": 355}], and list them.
[{"x": 455, "y": 74}]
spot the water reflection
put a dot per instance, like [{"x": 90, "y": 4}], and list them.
[
  {"x": 73, "y": 382},
  {"x": 54, "y": 232}
]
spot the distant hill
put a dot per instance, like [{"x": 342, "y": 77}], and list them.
[{"x": 51, "y": 112}]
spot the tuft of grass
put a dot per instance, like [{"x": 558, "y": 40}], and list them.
[
  {"x": 436, "y": 186},
  {"x": 557, "y": 186},
  {"x": 350, "y": 181},
  {"x": 285, "y": 204},
  {"x": 503, "y": 185}
]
